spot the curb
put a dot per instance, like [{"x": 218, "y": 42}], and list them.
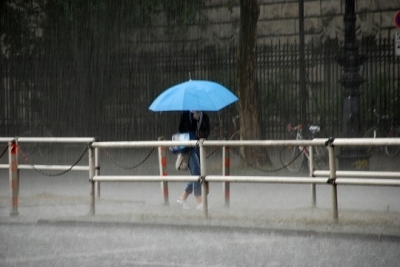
[{"x": 285, "y": 229}]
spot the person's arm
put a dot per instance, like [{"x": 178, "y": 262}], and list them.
[
  {"x": 204, "y": 131},
  {"x": 184, "y": 123}
]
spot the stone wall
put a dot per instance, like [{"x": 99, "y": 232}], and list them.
[{"x": 278, "y": 22}]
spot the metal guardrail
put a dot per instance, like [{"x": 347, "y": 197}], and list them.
[
  {"x": 72, "y": 140},
  {"x": 14, "y": 165},
  {"x": 331, "y": 177}
]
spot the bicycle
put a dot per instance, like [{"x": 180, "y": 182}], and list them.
[
  {"x": 220, "y": 133},
  {"x": 293, "y": 157},
  {"x": 33, "y": 148},
  {"x": 376, "y": 131},
  {"x": 393, "y": 151},
  {"x": 235, "y": 133}
]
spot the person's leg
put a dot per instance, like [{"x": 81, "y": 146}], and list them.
[
  {"x": 182, "y": 199},
  {"x": 187, "y": 191},
  {"x": 197, "y": 192},
  {"x": 194, "y": 162},
  {"x": 184, "y": 195},
  {"x": 199, "y": 200},
  {"x": 194, "y": 166},
  {"x": 195, "y": 187}
]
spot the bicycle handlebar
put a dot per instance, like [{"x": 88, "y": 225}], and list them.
[
  {"x": 313, "y": 128},
  {"x": 376, "y": 114}
]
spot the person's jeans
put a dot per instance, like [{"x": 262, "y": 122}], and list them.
[
  {"x": 194, "y": 161},
  {"x": 194, "y": 167}
]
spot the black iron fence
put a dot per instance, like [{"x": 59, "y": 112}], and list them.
[{"x": 108, "y": 95}]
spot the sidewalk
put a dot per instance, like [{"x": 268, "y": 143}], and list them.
[
  {"x": 368, "y": 211},
  {"x": 52, "y": 209}
]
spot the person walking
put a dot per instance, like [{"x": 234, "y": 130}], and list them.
[{"x": 197, "y": 124}]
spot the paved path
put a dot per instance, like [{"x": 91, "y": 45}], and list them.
[
  {"x": 362, "y": 210},
  {"x": 98, "y": 244}
]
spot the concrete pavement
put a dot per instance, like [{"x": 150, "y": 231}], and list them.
[{"x": 372, "y": 211}]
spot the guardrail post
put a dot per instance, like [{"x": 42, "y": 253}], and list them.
[
  {"x": 92, "y": 183},
  {"x": 97, "y": 169},
  {"x": 311, "y": 168},
  {"x": 14, "y": 177},
  {"x": 332, "y": 180},
  {"x": 226, "y": 159},
  {"x": 162, "y": 161},
  {"x": 203, "y": 173}
]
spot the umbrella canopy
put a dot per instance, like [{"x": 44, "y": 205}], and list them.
[{"x": 194, "y": 95}]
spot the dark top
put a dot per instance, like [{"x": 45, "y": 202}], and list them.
[{"x": 188, "y": 124}]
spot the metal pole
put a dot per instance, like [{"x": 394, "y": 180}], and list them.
[
  {"x": 311, "y": 174},
  {"x": 351, "y": 158},
  {"x": 92, "y": 183},
  {"x": 302, "y": 72},
  {"x": 14, "y": 177},
  {"x": 97, "y": 169},
  {"x": 226, "y": 159},
  {"x": 332, "y": 180},
  {"x": 203, "y": 173},
  {"x": 162, "y": 163}
]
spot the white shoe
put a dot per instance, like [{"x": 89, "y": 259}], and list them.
[
  {"x": 200, "y": 207},
  {"x": 183, "y": 204}
]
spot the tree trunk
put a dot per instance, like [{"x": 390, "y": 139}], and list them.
[{"x": 250, "y": 126}]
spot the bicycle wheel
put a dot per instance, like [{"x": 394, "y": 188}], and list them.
[
  {"x": 216, "y": 134},
  {"x": 292, "y": 158},
  {"x": 28, "y": 148},
  {"x": 44, "y": 148},
  {"x": 392, "y": 151},
  {"x": 370, "y": 133},
  {"x": 235, "y": 136},
  {"x": 321, "y": 158},
  {"x": 236, "y": 150}
]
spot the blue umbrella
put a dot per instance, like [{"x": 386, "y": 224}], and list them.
[{"x": 194, "y": 95}]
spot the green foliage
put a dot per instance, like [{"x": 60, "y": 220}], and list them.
[
  {"x": 278, "y": 93},
  {"x": 380, "y": 94},
  {"x": 137, "y": 13},
  {"x": 67, "y": 21},
  {"x": 129, "y": 13},
  {"x": 19, "y": 21},
  {"x": 230, "y": 4},
  {"x": 185, "y": 13}
]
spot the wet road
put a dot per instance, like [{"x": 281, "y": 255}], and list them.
[
  {"x": 126, "y": 245},
  {"x": 266, "y": 224}
]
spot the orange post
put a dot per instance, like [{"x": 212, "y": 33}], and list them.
[
  {"x": 162, "y": 155},
  {"x": 226, "y": 172},
  {"x": 14, "y": 177}
]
